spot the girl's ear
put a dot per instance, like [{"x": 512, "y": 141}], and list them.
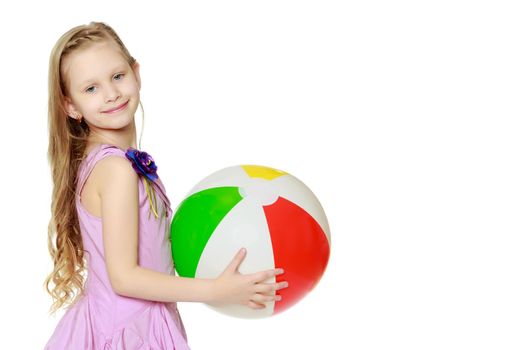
[
  {"x": 70, "y": 108},
  {"x": 136, "y": 68}
]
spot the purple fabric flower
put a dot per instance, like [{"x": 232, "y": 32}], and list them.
[{"x": 143, "y": 163}]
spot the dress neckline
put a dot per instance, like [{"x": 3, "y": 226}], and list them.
[{"x": 100, "y": 146}]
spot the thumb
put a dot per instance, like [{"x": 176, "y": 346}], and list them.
[{"x": 237, "y": 260}]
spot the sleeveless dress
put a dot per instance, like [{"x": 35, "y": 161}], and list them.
[{"x": 102, "y": 319}]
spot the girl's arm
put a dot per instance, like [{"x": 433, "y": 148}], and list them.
[
  {"x": 230, "y": 287},
  {"x": 116, "y": 183}
]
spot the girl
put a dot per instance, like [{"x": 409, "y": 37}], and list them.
[{"x": 110, "y": 207}]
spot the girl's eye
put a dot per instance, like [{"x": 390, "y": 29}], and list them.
[
  {"x": 118, "y": 75},
  {"x": 90, "y": 89}
]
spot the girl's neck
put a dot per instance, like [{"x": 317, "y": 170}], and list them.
[{"x": 123, "y": 138}]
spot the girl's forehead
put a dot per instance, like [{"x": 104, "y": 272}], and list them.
[{"x": 90, "y": 62}]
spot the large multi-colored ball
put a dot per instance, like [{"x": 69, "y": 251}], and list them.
[{"x": 271, "y": 213}]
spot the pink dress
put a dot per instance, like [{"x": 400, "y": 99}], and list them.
[{"x": 102, "y": 319}]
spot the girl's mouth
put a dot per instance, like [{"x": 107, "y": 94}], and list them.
[{"x": 117, "y": 109}]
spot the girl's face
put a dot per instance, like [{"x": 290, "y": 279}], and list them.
[{"x": 103, "y": 88}]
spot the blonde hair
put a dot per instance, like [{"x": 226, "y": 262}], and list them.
[{"x": 67, "y": 143}]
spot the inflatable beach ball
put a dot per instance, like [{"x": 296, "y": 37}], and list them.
[{"x": 271, "y": 213}]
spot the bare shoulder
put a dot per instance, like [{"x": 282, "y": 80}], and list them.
[{"x": 113, "y": 173}]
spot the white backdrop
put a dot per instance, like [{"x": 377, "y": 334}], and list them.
[{"x": 404, "y": 117}]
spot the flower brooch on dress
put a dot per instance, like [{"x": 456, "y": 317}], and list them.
[{"x": 144, "y": 165}]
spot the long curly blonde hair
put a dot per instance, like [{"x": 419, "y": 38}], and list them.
[{"x": 67, "y": 143}]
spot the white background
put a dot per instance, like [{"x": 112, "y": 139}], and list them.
[{"x": 404, "y": 117}]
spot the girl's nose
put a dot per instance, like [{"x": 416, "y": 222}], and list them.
[{"x": 111, "y": 94}]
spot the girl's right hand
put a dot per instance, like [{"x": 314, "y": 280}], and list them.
[{"x": 232, "y": 287}]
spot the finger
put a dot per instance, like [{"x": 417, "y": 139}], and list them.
[
  {"x": 262, "y": 298},
  {"x": 237, "y": 260},
  {"x": 265, "y": 288},
  {"x": 270, "y": 287},
  {"x": 255, "y": 305},
  {"x": 281, "y": 285},
  {"x": 265, "y": 275}
]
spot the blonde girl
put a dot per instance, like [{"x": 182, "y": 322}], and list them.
[{"x": 110, "y": 212}]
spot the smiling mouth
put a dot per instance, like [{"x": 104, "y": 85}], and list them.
[{"x": 117, "y": 109}]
